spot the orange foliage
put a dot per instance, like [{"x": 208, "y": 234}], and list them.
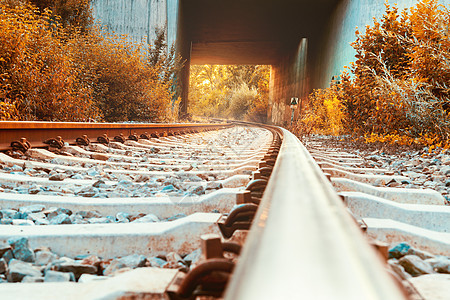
[
  {"x": 399, "y": 84},
  {"x": 230, "y": 91},
  {"x": 124, "y": 85},
  {"x": 38, "y": 73},
  {"x": 68, "y": 73},
  {"x": 324, "y": 113}
]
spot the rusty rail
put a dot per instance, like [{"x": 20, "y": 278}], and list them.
[
  {"x": 37, "y": 132},
  {"x": 303, "y": 244}
]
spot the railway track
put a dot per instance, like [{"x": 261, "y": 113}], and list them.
[{"x": 148, "y": 211}]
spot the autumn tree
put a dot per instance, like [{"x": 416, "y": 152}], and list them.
[
  {"x": 127, "y": 87},
  {"x": 73, "y": 72},
  {"x": 259, "y": 107},
  {"x": 70, "y": 13},
  {"x": 399, "y": 82},
  {"x": 229, "y": 91},
  {"x": 38, "y": 74}
]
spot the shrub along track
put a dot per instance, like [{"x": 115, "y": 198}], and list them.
[{"x": 163, "y": 210}]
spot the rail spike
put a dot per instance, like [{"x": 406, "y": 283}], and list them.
[
  {"x": 145, "y": 136},
  {"x": 120, "y": 138},
  {"x": 83, "y": 140},
  {"x": 133, "y": 137},
  {"x": 57, "y": 142},
  {"x": 21, "y": 145},
  {"x": 104, "y": 139},
  {"x": 208, "y": 278}
]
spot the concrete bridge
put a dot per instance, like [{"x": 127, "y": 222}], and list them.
[{"x": 305, "y": 41}]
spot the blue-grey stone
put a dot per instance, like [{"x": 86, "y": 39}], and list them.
[
  {"x": 3, "y": 266},
  {"x": 125, "y": 183},
  {"x": 214, "y": 185},
  {"x": 440, "y": 264},
  {"x": 55, "y": 276},
  {"x": 147, "y": 219},
  {"x": 81, "y": 256},
  {"x": 193, "y": 257},
  {"x": 6, "y": 221},
  {"x": 45, "y": 257},
  {"x": 176, "y": 217},
  {"x": 4, "y": 248},
  {"x": 51, "y": 212},
  {"x": 157, "y": 262},
  {"x": 415, "y": 266},
  {"x": 101, "y": 220},
  {"x": 35, "y": 216},
  {"x": 32, "y": 279},
  {"x": 18, "y": 173},
  {"x": 21, "y": 249},
  {"x": 101, "y": 195},
  {"x": 89, "y": 214},
  {"x": 133, "y": 261},
  {"x": 61, "y": 219},
  {"x": 114, "y": 266},
  {"x": 75, "y": 267},
  {"x": 420, "y": 253},
  {"x": 77, "y": 176},
  {"x": 22, "y": 190},
  {"x": 17, "y": 270},
  {"x": 123, "y": 217},
  {"x": 168, "y": 188},
  {"x": 90, "y": 277},
  {"x": 57, "y": 177},
  {"x": 21, "y": 222},
  {"x": 399, "y": 250},
  {"x": 16, "y": 168},
  {"x": 87, "y": 192},
  {"x": 98, "y": 183},
  {"x": 93, "y": 172},
  {"x": 112, "y": 219},
  {"x": 10, "y": 214},
  {"x": 42, "y": 222},
  {"x": 197, "y": 190},
  {"x": 61, "y": 210},
  {"x": 32, "y": 208},
  {"x": 8, "y": 256},
  {"x": 195, "y": 179}
]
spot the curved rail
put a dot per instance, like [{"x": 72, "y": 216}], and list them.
[
  {"x": 37, "y": 132},
  {"x": 303, "y": 244}
]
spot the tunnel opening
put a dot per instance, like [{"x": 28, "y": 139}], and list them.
[
  {"x": 239, "y": 92},
  {"x": 286, "y": 35}
]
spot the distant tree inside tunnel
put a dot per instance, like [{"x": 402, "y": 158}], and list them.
[{"x": 230, "y": 91}]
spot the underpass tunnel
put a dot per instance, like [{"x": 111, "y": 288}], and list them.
[{"x": 285, "y": 34}]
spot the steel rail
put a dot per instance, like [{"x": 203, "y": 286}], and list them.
[
  {"x": 37, "y": 132},
  {"x": 303, "y": 244}
]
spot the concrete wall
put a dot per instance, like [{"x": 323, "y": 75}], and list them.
[{"x": 137, "y": 18}]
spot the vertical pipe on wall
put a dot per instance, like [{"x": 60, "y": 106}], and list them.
[{"x": 300, "y": 74}]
